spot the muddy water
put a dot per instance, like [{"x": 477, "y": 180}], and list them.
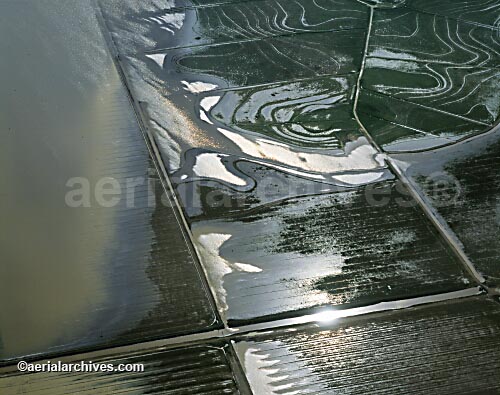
[
  {"x": 73, "y": 277},
  {"x": 49, "y": 105}
]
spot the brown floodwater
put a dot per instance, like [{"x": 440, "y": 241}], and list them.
[{"x": 77, "y": 277}]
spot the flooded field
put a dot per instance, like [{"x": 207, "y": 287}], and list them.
[
  {"x": 208, "y": 184},
  {"x": 264, "y": 112},
  {"x": 76, "y": 273}
]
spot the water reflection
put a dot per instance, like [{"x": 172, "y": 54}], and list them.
[
  {"x": 378, "y": 354},
  {"x": 468, "y": 196},
  {"x": 254, "y": 118},
  {"x": 327, "y": 249}
]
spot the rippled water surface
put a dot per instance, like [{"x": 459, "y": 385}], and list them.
[{"x": 380, "y": 355}]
